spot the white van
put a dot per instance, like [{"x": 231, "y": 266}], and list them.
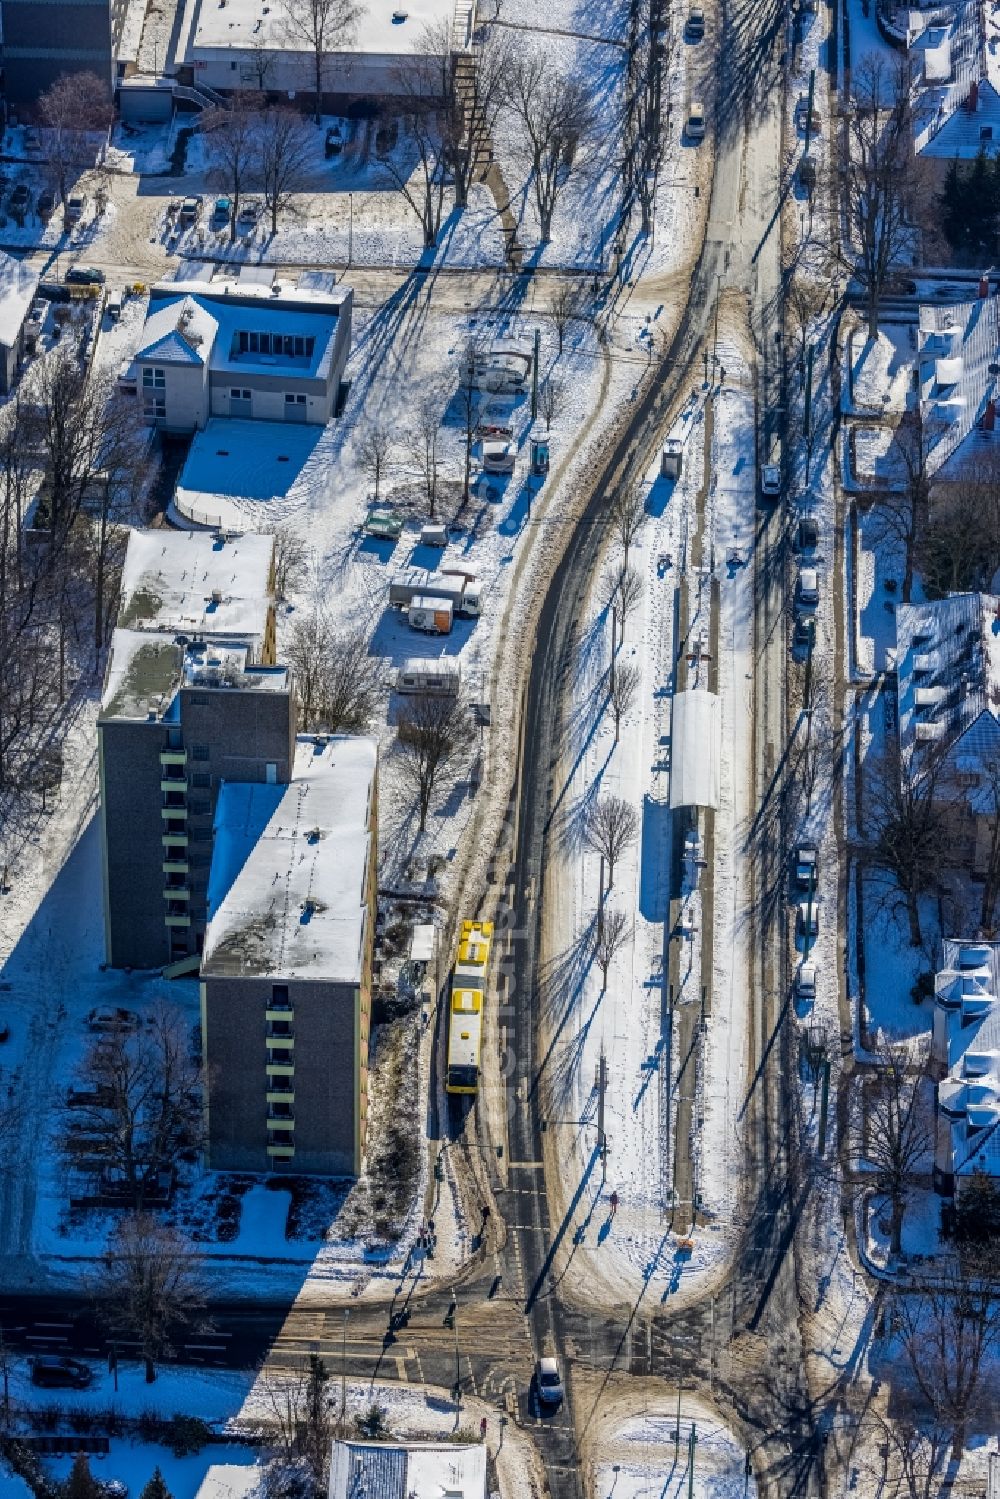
[
  {"x": 696, "y": 121},
  {"x": 498, "y": 457},
  {"x": 441, "y": 677},
  {"x": 432, "y": 535},
  {"x": 500, "y": 371}
]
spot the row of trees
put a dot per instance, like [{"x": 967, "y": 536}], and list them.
[{"x": 253, "y": 146}]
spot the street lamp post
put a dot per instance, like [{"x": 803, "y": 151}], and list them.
[
  {"x": 343, "y": 1372},
  {"x": 350, "y": 229}
]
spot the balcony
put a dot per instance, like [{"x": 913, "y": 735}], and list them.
[
  {"x": 174, "y": 840},
  {"x": 166, "y": 812},
  {"x": 174, "y": 866},
  {"x": 173, "y": 783},
  {"x": 280, "y": 1096},
  {"x": 281, "y": 1152},
  {"x": 279, "y": 1121},
  {"x": 172, "y": 919},
  {"x": 173, "y": 757},
  {"x": 279, "y": 1012},
  {"x": 280, "y": 1069},
  {"x": 177, "y": 892}
]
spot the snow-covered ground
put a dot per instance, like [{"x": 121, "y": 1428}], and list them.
[{"x": 651, "y": 1454}]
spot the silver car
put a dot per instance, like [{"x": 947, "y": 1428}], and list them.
[{"x": 548, "y": 1381}]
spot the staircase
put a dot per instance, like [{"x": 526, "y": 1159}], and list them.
[
  {"x": 485, "y": 167},
  {"x": 200, "y": 95}
]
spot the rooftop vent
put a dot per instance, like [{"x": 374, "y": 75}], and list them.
[
  {"x": 216, "y": 595},
  {"x": 399, "y": 16}
]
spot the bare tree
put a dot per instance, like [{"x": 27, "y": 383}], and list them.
[
  {"x": 613, "y": 932},
  {"x": 143, "y": 1103},
  {"x": 896, "y": 1129},
  {"x": 150, "y": 1284},
  {"x": 563, "y": 309},
  {"x": 471, "y": 90},
  {"x": 374, "y": 449},
  {"x": 234, "y": 150},
  {"x": 627, "y": 516},
  {"x": 908, "y": 826},
  {"x": 622, "y": 592},
  {"x": 553, "y": 108},
  {"x": 430, "y": 737},
  {"x": 321, "y": 28},
  {"x": 622, "y": 691},
  {"x": 899, "y": 515},
  {"x": 612, "y": 827},
  {"x": 352, "y": 684},
  {"x": 291, "y": 555},
  {"x": 877, "y": 173},
  {"x": 950, "y": 1326},
  {"x": 73, "y": 110},
  {"x": 308, "y": 652},
  {"x": 552, "y": 399},
  {"x": 803, "y": 300},
  {"x": 910, "y": 1447},
  {"x": 428, "y": 435},
  {"x": 285, "y": 144},
  {"x": 423, "y": 189},
  {"x": 260, "y": 61},
  {"x": 958, "y": 544}
]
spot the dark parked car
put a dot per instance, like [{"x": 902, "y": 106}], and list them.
[
  {"x": 46, "y": 203},
  {"x": 808, "y": 533},
  {"x": 85, "y": 275},
  {"x": 334, "y": 141},
  {"x": 20, "y": 198},
  {"x": 58, "y": 1372}
]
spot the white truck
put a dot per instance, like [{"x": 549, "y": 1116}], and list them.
[
  {"x": 440, "y": 676},
  {"x": 463, "y": 591},
  {"x": 430, "y": 614}
]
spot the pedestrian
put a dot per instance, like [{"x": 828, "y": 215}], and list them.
[{"x": 614, "y": 1203}]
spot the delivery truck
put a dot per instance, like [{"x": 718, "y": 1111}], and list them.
[{"x": 463, "y": 591}]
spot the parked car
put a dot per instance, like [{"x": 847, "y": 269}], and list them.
[
  {"x": 85, "y": 275},
  {"x": 807, "y": 173},
  {"x": 46, "y": 203},
  {"x": 807, "y": 919},
  {"x": 222, "y": 211},
  {"x": 808, "y": 536},
  {"x": 548, "y": 1382},
  {"x": 804, "y": 630},
  {"x": 696, "y": 121},
  {"x": 75, "y": 205},
  {"x": 112, "y": 1018},
  {"x": 334, "y": 141},
  {"x": 4, "y": 1031},
  {"x": 250, "y": 212},
  {"x": 88, "y": 1095},
  {"x": 805, "y": 981},
  {"x": 56, "y": 1371},
  {"x": 53, "y": 291},
  {"x": 20, "y": 198},
  {"x": 770, "y": 480},
  {"x": 190, "y": 210},
  {"x": 695, "y": 28},
  {"x": 806, "y": 865},
  {"x": 808, "y": 587}
]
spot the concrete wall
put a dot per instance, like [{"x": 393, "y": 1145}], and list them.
[
  {"x": 186, "y": 392},
  {"x": 268, "y": 395},
  {"x": 45, "y": 38},
  {"x": 355, "y": 77},
  {"x": 325, "y": 1053},
  {"x": 132, "y": 829}
]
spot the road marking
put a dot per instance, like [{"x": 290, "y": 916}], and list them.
[{"x": 525, "y": 1165}]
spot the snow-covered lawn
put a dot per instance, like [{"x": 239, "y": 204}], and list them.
[
  {"x": 649, "y": 1456},
  {"x": 881, "y": 374}
]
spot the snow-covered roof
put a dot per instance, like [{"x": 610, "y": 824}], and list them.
[
  {"x": 967, "y": 1044},
  {"x": 288, "y": 887},
  {"x": 958, "y": 356},
  {"x": 214, "y": 586},
  {"x": 229, "y": 1481},
  {"x": 178, "y": 332},
  {"x": 696, "y": 749},
  {"x": 205, "y": 330},
  {"x": 250, "y": 459},
  {"x": 146, "y": 668},
  {"x": 18, "y": 284},
  {"x": 251, "y": 286},
  {"x": 245, "y": 23},
  {"x": 411, "y": 1470},
  {"x": 948, "y": 675}
]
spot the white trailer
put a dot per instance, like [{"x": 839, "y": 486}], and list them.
[
  {"x": 431, "y": 615},
  {"x": 498, "y": 457},
  {"x": 464, "y": 592},
  {"x": 439, "y": 676}
]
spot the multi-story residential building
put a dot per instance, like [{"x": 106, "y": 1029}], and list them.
[
  {"x": 286, "y": 965},
  {"x": 192, "y": 697},
  {"x": 44, "y": 38},
  {"x": 243, "y": 347},
  {"x": 966, "y": 1054}
]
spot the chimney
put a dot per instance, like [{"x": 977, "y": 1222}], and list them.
[
  {"x": 984, "y": 284},
  {"x": 973, "y": 101},
  {"x": 989, "y": 415}
]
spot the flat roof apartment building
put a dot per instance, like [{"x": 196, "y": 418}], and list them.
[
  {"x": 287, "y": 963},
  {"x": 192, "y": 697}
]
